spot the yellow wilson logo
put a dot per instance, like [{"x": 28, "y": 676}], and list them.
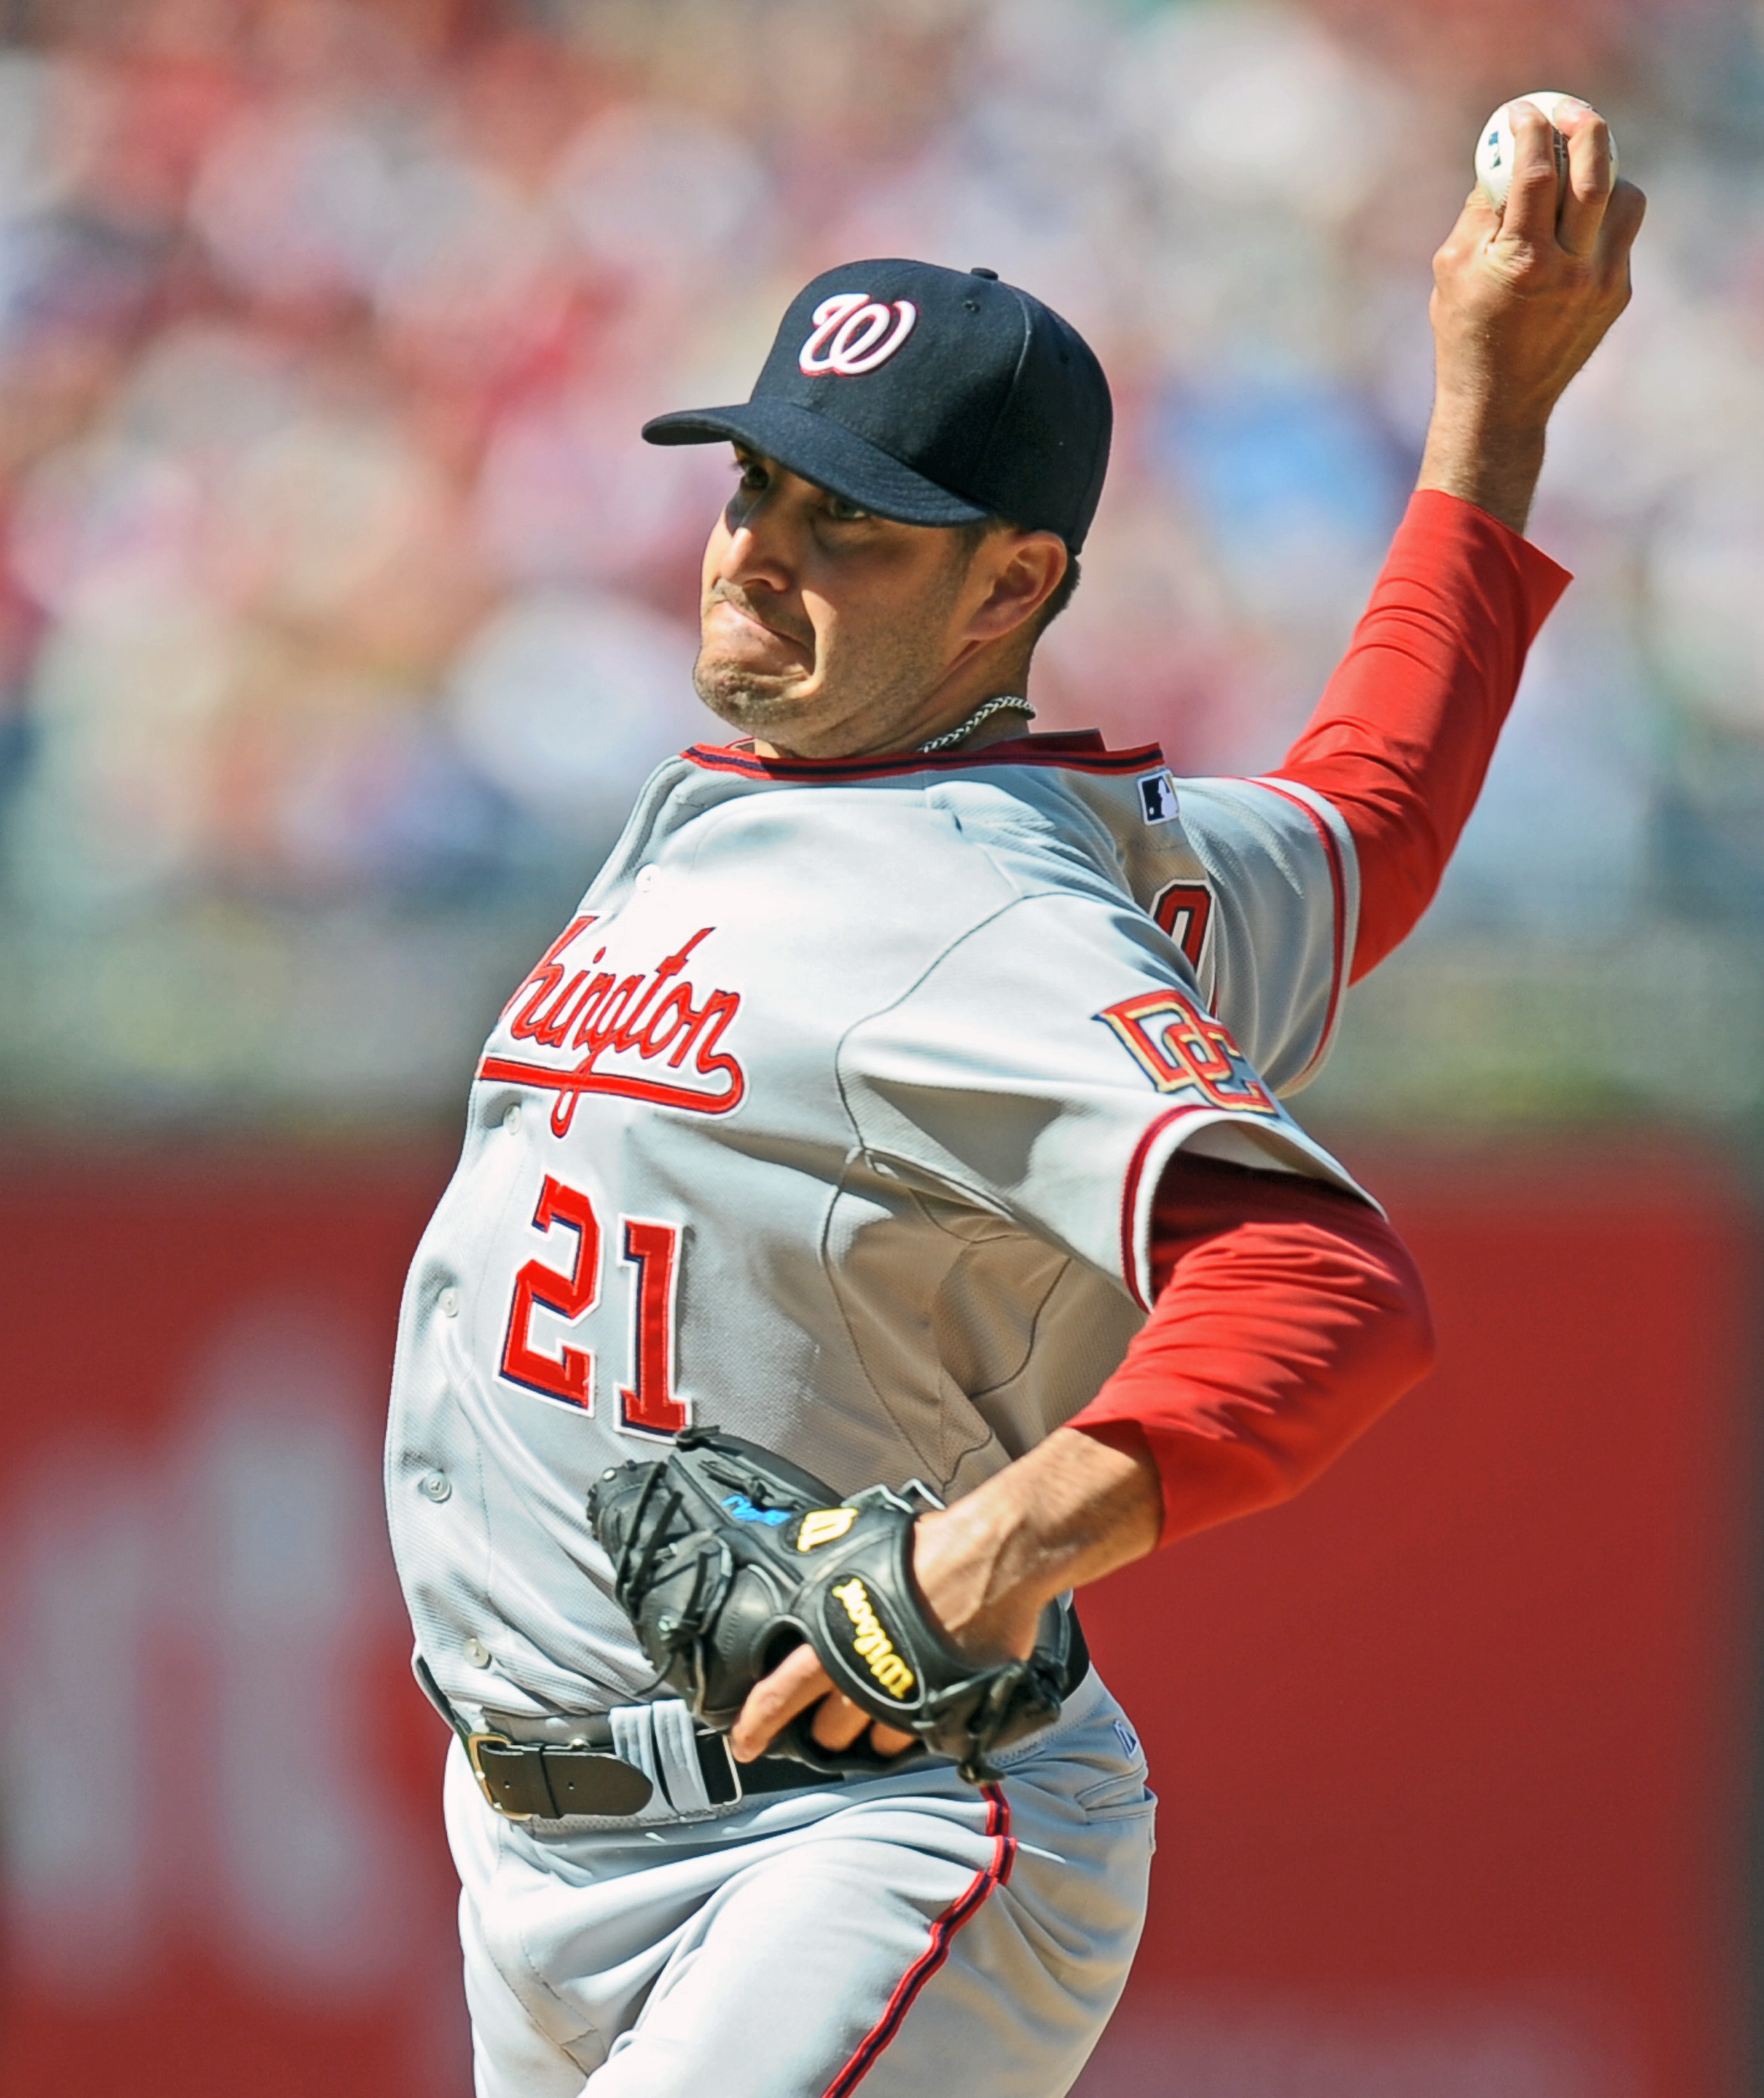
[
  {"x": 821, "y": 1525},
  {"x": 877, "y": 1649}
]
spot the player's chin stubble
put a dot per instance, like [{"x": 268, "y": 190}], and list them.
[
  {"x": 745, "y": 699},
  {"x": 874, "y": 680},
  {"x": 871, "y": 695}
]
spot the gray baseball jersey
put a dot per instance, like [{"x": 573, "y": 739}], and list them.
[{"x": 834, "y": 1117}]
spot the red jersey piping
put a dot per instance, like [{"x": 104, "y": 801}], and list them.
[
  {"x": 1130, "y": 1196},
  {"x": 1338, "y": 884},
  {"x": 1069, "y": 753}
]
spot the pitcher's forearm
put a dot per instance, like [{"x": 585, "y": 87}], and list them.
[{"x": 1070, "y": 1511}]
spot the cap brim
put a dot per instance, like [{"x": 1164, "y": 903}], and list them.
[{"x": 823, "y": 451}]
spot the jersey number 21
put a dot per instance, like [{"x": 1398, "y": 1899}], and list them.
[{"x": 652, "y": 1251}]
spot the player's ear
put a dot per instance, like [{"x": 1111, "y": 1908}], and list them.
[{"x": 1025, "y": 570}]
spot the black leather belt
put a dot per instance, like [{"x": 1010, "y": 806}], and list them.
[{"x": 525, "y": 1781}]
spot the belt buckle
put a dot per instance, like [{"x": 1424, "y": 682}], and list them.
[
  {"x": 474, "y": 1742},
  {"x": 725, "y": 1761}
]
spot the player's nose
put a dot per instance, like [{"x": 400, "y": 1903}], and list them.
[{"x": 756, "y": 550}]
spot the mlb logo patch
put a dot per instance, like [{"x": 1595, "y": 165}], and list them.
[{"x": 1157, "y": 797}]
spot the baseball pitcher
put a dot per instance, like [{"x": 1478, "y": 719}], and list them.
[{"x": 879, "y": 1215}]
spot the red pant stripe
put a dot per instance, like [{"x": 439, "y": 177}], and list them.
[{"x": 966, "y": 1904}]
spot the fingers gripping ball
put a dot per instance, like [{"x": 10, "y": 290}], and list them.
[
  {"x": 725, "y": 1557},
  {"x": 1494, "y": 148}
]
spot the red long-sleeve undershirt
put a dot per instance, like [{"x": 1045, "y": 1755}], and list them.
[
  {"x": 1288, "y": 1315},
  {"x": 1402, "y": 738}
]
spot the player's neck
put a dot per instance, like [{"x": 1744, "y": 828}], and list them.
[
  {"x": 993, "y": 721},
  {"x": 997, "y": 718},
  {"x": 978, "y": 704}
]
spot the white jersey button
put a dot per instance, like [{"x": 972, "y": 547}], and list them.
[
  {"x": 438, "y": 1485},
  {"x": 645, "y": 880},
  {"x": 450, "y": 1303},
  {"x": 511, "y": 1119},
  {"x": 477, "y": 1653}
]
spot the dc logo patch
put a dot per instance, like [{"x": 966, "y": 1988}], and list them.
[
  {"x": 853, "y": 334},
  {"x": 1181, "y": 1048},
  {"x": 1157, "y": 797}
]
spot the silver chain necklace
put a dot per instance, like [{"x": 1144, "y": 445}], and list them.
[{"x": 950, "y": 737}]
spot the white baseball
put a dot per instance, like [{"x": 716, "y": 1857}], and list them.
[{"x": 1494, "y": 148}]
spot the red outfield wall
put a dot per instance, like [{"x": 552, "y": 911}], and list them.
[{"x": 1452, "y": 1752}]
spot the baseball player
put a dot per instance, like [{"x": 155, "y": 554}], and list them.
[{"x": 904, "y": 1100}]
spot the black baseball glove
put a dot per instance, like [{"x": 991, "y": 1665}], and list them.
[{"x": 725, "y": 1557}]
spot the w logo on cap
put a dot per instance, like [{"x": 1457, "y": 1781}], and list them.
[
  {"x": 854, "y": 333},
  {"x": 972, "y": 400}
]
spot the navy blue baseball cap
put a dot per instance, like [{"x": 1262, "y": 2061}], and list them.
[{"x": 929, "y": 395}]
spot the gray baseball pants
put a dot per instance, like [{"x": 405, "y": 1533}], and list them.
[{"x": 906, "y": 1934}]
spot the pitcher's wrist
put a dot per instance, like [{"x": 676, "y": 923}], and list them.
[{"x": 1469, "y": 456}]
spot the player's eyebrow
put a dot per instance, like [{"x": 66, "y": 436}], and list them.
[{"x": 745, "y": 456}]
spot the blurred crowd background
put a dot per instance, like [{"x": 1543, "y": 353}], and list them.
[{"x": 341, "y": 608}]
